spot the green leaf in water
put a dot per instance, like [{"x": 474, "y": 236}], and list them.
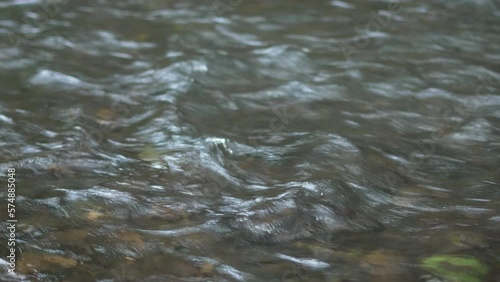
[
  {"x": 455, "y": 268},
  {"x": 149, "y": 153}
]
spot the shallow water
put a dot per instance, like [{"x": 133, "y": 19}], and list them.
[{"x": 164, "y": 140}]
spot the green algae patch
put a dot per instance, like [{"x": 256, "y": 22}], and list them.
[{"x": 455, "y": 268}]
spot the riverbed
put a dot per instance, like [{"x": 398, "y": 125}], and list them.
[{"x": 240, "y": 140}]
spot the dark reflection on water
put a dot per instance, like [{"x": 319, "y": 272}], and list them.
[{"x": 167, "y": 140}]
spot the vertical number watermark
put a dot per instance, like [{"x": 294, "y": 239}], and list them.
[{"x": 11, "y": 221}]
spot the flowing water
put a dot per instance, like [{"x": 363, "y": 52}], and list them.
[{"x": 239, "y": 140}]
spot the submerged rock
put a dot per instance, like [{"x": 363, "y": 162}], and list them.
[
  {"x": 31, "y": 263},
  {"x": 382, "y": 265}
]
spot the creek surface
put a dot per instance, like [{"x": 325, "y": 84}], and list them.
[{"x": 164, "y": 140}]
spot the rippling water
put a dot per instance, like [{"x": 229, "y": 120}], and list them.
[{"x": 242, "y": 140}]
